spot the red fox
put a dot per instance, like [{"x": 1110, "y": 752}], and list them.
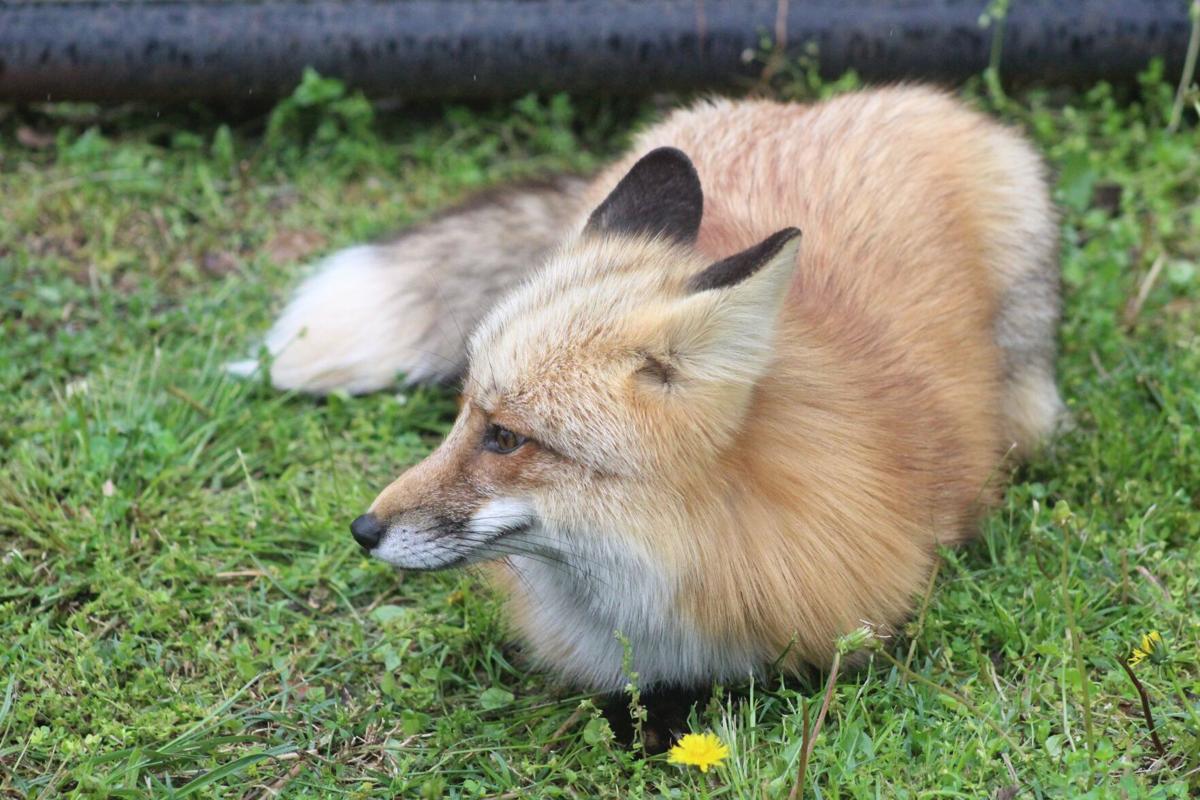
[{"x": 722, "y": 401}]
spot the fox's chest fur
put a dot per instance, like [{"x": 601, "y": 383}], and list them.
[{"x": 604, "y": 611}]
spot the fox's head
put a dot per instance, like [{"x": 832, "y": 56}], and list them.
[{"x": 600, "y": 392}]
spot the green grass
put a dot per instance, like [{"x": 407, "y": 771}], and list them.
[{"x": 182, "y": 612}]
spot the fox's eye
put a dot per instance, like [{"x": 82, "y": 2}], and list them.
[{"x": 502, "y": 440}]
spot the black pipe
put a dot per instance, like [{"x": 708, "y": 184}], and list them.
[{"x": 240, "y": 49}]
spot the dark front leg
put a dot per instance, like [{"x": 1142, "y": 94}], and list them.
[{"x": 667, "y": 712}]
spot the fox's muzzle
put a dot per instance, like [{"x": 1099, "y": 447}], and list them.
[
  {"x": 453, "y": 508},
  {"x": 417, "y": 539}
]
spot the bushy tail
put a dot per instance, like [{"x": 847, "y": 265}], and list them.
[{"x": 405, "y": 308}]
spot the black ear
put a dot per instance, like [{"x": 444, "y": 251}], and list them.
[
  {"x": 659, "y": 196},
  {"x": 738, "y": 267}
]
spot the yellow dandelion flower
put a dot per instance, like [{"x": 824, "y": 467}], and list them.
[
  {"x": 1150, "y": 647},
  {"x": 702, "y": 750}
]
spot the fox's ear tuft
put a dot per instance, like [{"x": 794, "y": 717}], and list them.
[
  {"x": 657, "y": 370},
  {"x": 659, "y": 196},
  {"x": 724, "y": 328},
  {"x": 735, "y": 269}
]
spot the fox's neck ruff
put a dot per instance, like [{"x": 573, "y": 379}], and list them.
[{"x": 575, "y": 606}]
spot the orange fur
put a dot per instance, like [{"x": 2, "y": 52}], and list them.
[{"x": 771, "y": 487}]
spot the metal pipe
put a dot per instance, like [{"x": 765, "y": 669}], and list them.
[{"x": 242, "y": 49}]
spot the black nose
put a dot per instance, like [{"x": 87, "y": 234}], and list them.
[{"x": 367, "y": 530}]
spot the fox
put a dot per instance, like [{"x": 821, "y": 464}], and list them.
[{"x": 722, "y": 402}]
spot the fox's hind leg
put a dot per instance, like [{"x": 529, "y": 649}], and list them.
[
  {"x": 1026, "y": 330},
  {"x": 404, "y": 308},
  {"x": 1022, "y": 233}
]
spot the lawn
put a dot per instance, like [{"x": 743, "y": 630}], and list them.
[{"x": 183, "y": 612}]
